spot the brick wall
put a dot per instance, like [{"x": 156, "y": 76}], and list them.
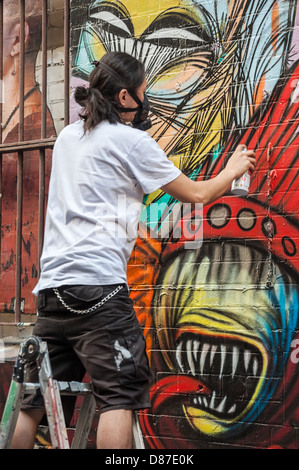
[
  {"x": 55, "y": 62},
  {"x": 220, "y": 318}
]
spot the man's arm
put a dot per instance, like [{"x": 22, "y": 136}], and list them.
[{"x": 186, "y": 190}]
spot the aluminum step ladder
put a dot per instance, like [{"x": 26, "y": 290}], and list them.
[{"x": 33, "y": 349}]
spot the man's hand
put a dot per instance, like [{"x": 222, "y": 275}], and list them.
[{"x": 241, "y": 161}]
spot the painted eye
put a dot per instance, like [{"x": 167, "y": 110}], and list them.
[
  {"x": 113, "y": 22},
  {"x": 177, "y": 29},
  {"x": 113, "y": 18},
  {"x": 175, "y": 37}
]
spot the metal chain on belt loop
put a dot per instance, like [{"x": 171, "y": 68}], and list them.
[{"x": 91, "y": 309}]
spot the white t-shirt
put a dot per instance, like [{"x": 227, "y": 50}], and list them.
[{"x": 97, "y": 185}]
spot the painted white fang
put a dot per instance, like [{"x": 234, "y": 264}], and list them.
[
  {"x": 178, "y": 355},
  {"x": 220, "y": 408},
  {"x": 255, "y": 366},
  {"x": 212, "y": 402},
  {"x": 223, "y": 357},
  {"x": 205, "y": 350},
  {"x": 196, "y": 344},
  {"x": 189, "y": 356},
  {"x": 213, "y": 351},
  {"x": 232, "y": 409},
  {"x": 235, "y": 360},
  {"x": 247, "y": 357}
]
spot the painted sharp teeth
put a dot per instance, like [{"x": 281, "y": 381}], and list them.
[
  {"x": 189, "y": 356},
  {"x": 196, "y": 344},
  {"x": 213, "y": 351},
  {"x": 178, "y": 355},
  {"x": 247, "y": 357},
  {"x": 203, "y": 402},
  {"x": 223, "y": 356},
  {"x": 232, "y": 409},
  {"x": 212, "y": 402},
  {"x": 190, "y": 353},
  {"x": 218, "y": 366},
  {"x": 220, "y": 408},
  {"x": 235, "y": 360},
  {"x": 205, "y": 350},
  {"x": 255, "y": 366}
]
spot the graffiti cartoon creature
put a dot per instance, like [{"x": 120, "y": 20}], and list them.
[
  {"x": 219, "y": 320},
  {"x": 233, "y": 302}
]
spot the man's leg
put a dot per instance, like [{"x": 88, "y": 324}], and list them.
[
  {"x": 115, "y": 430},
  {"x": 26, "y": 429}
]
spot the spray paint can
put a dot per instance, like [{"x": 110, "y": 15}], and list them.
[{"x": 240, "y": 186}]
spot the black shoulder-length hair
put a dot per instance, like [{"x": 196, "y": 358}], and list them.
[{"x": 99, "y": 101}]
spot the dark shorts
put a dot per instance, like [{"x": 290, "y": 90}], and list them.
[{"x": 107, "y": 343}]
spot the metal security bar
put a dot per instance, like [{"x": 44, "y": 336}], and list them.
[{"x": 21, "y": 147}]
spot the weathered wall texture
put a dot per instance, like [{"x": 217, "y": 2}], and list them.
[
  {"x": 221, "y": 321},
  {"x": 32, "y": 131}
]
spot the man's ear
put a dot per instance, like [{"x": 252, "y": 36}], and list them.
[
  {"x": 122, "y": 98},
  {"x": 16, "y": 32}
]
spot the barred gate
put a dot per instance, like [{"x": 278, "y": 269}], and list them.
[{"x": 24, "y": 150}]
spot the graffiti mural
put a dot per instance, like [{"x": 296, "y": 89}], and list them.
[
  {"x": 233, "y": 303},
  {"x": 31, "y": 130},
  {"x": 220, "y": 320}
]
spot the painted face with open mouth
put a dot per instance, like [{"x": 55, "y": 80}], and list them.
[{"x": 232, "y": 333}]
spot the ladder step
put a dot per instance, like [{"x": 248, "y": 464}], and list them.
[{"x": 65, "y": 388}]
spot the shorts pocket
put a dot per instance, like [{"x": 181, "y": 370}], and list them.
[
  {"x": 84, "y": 293},
  {"x": 41, "y": 302},
  {"x": 129, "y": 355}
]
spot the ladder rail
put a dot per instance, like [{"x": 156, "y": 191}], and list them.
[
  {"x": 10, "y": 413},
  {"x": 54, "y": 411},
  {"x": 14, "y": 400},
  {"x": 33, "y": 349},
  {"x": 137, "y": 433},
  {"x": 84, "y": 422},
  {"x": 52, "y": 399}
]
